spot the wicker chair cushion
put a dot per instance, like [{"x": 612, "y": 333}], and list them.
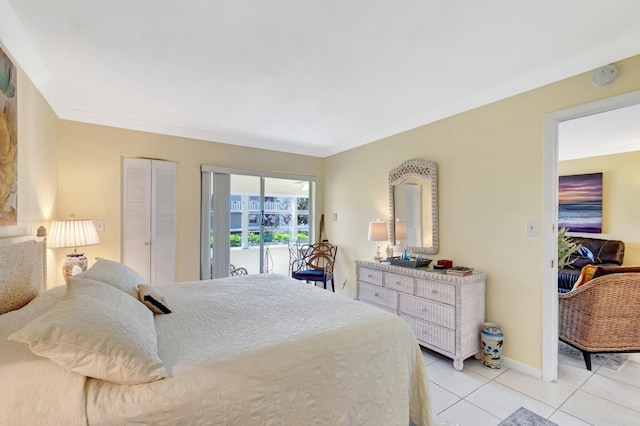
[
  {"x": 606, "y": 270},
  {"x": 311, "y": 273}
]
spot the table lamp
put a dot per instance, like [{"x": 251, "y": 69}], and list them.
[
  {"x": 377, "y": 233},
  {"x": 73, "y": 233}
]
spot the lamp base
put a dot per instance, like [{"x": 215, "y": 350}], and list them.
[
  {"x": 377, "y": 257},
  {"x": 73, "y": 264}
]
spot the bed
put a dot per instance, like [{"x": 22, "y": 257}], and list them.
[{"x": 251, "y": 350}]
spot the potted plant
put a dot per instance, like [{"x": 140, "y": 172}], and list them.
[{"x": 566, "y": 247}]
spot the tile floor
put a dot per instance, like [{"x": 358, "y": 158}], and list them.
[{"x": 478, "y": 396}]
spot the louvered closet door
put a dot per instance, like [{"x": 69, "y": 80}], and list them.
[
  {"x": 136, "y": 219},
  {"x": 149, "y": 218},
  {"x": 163, "y": 222}
]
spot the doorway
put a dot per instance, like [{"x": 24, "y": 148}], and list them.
[
  {"x": 251, "y": 219},
  {"x": 267, "y": 214},
  {"x": 550, "y": 219}
]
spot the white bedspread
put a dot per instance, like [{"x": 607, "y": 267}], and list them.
[
  {"x": 34, "y": 390},
  {"x": 262, "y": 350},
  {"x": 267, "y": 350}
]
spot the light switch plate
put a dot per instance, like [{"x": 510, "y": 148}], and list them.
[{"x": 531, "y": 228}]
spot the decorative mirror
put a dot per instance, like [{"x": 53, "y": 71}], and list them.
[{"x": 413, "y": 206}]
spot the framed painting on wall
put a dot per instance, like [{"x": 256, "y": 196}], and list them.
[
  {"x": 580, "y": 203},
  {"x": 8, "y": 142}
]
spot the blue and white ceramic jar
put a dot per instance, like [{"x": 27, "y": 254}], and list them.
[{"x": 492, "y": 341}]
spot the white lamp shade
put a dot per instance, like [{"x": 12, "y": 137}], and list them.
[
  {"x": 73, "y": 233},
  {"x": 378, "y": 231},
  {"x": 401, "y": 230}
]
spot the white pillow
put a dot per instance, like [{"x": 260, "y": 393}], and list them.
[
  {"x": 98, "y": 331},
  {"x": 153, "y": 299},
  {"x": 115, "y": 274}
]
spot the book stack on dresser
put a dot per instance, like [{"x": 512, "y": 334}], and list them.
[{"x": 445, "y": 312}]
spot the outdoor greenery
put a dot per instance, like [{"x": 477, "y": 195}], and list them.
[
  {"x": 254, "y": 238},
  {"x": 280, "y": 237},
  {"x": 566, "y": 247},
  {"x": 235, "y": 240}
]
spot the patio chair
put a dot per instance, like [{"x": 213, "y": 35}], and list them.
[
  {"x": 602, "y": 315},
  {"x": 315, "y": 263},
  {"x": 236, "y": 272},
  {"x": 294, "y": 252}
]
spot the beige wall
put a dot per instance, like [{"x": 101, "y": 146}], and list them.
[
  {"x": 89, "y": 159},
  {"x": 37, "y": 167},
  {"x": 620, "y": 197},
  {"x": 490, "y": 182}
]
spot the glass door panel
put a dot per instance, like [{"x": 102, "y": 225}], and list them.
[
  {"x": 245, "y": 228},
  {"x": 286, "y": 220}
]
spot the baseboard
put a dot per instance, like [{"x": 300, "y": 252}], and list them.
[{"x": 521, "y": 367}]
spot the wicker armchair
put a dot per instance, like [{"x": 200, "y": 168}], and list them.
[{"x": 602, "y": 315}]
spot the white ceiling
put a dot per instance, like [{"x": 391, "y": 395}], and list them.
[{"x": 311, "y": 77}]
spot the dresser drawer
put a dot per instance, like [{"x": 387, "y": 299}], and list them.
[
  {"x": 437, "y": 313},
  {"x": 384, "y": 308},
  {"x": 432, "y": 334},
  {"x": 439, "y": 292},
  {"x": 377, "y": 295},
  {"x": 371, "y": 276},
  {"x": 399, "y": 282}
]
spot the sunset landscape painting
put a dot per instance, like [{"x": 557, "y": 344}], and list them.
[{"x": 580, "y": 203}]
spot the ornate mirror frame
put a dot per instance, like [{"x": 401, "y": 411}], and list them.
[{"x": 422, "y": 169}]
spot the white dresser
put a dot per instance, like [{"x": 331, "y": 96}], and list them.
[{"x": 446, "y": 312}]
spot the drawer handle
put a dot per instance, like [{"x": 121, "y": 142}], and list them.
[
  {"x": 434, "y": 291},
  {"x": 369, "y": 276},
  {"x": 398, "y": 283},
  {"x": 375, "y": 294},
  {"x": 424, "y": 309}
]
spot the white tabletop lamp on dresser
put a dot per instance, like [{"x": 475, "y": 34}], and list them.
[
  {"x": 446, "y": 312},
  {"x": 378, "y": 232}
]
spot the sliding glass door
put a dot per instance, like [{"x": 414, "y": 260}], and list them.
[{"x": 258, "y": 218}]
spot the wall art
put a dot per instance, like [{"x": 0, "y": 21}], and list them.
[
  {"x": 580, "y": 203},
  {"x": 8, "y": 142}
]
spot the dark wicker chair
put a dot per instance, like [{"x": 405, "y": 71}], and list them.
[
  {"x": 602, "y": 315},
  {"x": 315, "y": 263}
]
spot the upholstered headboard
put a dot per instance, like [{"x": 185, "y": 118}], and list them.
[{"x": 23, "y": 271}]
